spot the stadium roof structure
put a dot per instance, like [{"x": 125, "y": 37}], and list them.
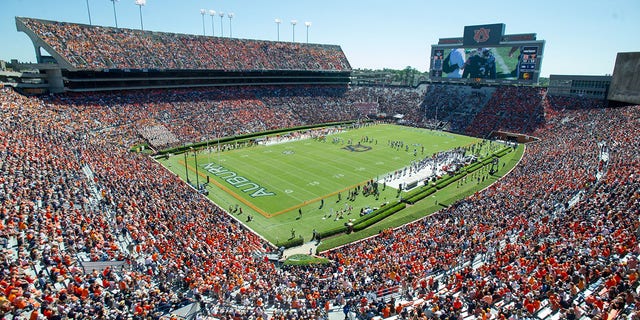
[{"x": 86, "y": 53}]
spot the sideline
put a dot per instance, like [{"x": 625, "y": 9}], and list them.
[{"x": 524, "y": 151}]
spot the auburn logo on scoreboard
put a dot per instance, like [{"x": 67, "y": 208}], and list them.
[
  {"x": 481, "y": 35},
  {"x": 486, "y": 34}
]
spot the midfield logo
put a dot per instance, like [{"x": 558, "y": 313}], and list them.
[{"x": 357, "y": 148}]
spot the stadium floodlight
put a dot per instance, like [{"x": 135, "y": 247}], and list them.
[
  {"x": 230, "y": 15},
  {"x": 141, "y": 3},
  {"x": 203, "y": 12},
  {"x": 293, "y": 24},
  {"x": 186, "y": 167},
  {"x": 115, "y": 16},
  {"x": 89, "y": 13},
  {"x": 212, "y": 13},
  {"x": 307, "y": 24},
  {"x": 221, "y": 15},
  {"x": 195, "y": 158},
  {"x": 278, "y": 21}
]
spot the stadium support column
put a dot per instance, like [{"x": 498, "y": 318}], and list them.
[{"x": 55, "y": 81}]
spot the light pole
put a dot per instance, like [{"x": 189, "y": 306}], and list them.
[
  {"x": 115, "y": 16},
  {"x": 212, "y": 13},
  {"x": 203, "y": 12},
  {"x": 293, "y": 24},
  {"x": 197, "y": 178},
  {"x": 186, "y": 167},
  {"x": 221, "y": 14},
  {"x": 89, "y": 12},
  {"x": 278, "y": 21},
  {"x": 307, "y": 24},
  {"x": 141, "y": 3},
  {"x": 230, "y": 15}
]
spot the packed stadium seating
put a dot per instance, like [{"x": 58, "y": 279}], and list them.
[
  {"x": 97, "y": 47},
  {"x": 91, "y": 230},
  {"x": 204, "y": 114},
  {"x": 510, "y": 109},
  {"x": 451, "y": 107},
  {"x": 555, "y": 238},
  {"x": 520, "y": 246}
]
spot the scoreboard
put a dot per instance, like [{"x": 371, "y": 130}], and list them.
[
  {"x": 486, "y": 55},
  {"x": 528, "y": 61}
]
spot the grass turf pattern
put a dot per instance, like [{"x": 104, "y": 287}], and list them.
[{"x": 289, "y": 189}]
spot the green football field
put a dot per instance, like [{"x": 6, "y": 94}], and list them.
[{"x": 299, "y": 186}]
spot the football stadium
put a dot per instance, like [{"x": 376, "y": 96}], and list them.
[{"x": 144, "y": 177}]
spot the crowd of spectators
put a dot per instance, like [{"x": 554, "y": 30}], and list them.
[
  {"x": 97, "y": 47},
  {"x": 548, "y": 238},
  {"x": 478, "y": 112},
  {"x": 185, "y": 116},
  {"x": 510, "y": 109},
  {"x": 53, "y": 215},
  {"x": 390, "y": 101},
  {"x": 518, "y": 247},
  {"x": 450, "y": 108},
  {"x": 166, "y": 118},
  {"x": 158, "y": 135},
  {"x": 568, "y": 102}
]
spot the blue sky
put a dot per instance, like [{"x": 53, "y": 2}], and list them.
[{"x": 582, "y": 37}]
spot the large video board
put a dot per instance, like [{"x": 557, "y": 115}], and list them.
[{"x": 516, "y": 62}]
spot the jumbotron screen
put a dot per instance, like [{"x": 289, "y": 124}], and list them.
[{"x": 504, "y": 63}]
